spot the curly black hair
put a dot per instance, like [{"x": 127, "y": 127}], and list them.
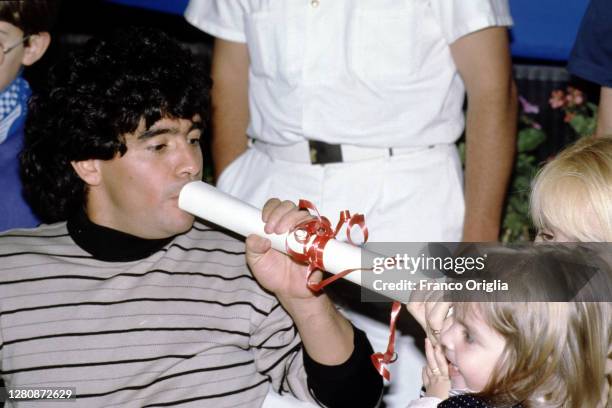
[
  {"x": 31, "y": 16},
  {"x": 98, "y": 95}
]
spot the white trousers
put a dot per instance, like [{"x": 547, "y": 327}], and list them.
[{"x": 413, "y": 197}]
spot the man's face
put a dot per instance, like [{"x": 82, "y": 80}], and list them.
[{"x": 137, "y": 193}]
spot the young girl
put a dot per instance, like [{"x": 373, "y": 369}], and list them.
[
  {"x": 571, "y": 199},
  {"x": 524, "y": 348}
]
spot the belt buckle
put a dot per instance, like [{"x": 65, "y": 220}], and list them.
[{"x": 324, "y": 153}]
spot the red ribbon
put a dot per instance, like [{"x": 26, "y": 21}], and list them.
[
  {"x": 313, "y": 235},
  {"x": 381, "y": 360}
]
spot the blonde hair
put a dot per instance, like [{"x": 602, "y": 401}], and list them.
[
  {"x": 573, "y": 192},
  {"x": 556, "y": 352}
]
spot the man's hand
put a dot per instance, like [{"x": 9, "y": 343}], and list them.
[
  {"x": 275, "y": 271},
  {"x": 326, "y": 334}
]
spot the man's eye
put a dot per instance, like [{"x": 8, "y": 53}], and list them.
[
  {"x": 546, "y": 236},
  {"x": 157, "y": 147}
]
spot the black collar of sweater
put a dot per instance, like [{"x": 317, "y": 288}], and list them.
[{"x": 110, "y": 245}]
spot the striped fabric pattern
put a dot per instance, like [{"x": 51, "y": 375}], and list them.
[{"x": 188, "y": 326}]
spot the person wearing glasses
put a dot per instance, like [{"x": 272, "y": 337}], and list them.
[{"x": 24, "y": 38}]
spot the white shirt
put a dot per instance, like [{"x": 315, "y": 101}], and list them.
[{"x": 365, "y": 72}]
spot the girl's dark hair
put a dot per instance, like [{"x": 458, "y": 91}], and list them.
[{"x": 98, "y": 95}]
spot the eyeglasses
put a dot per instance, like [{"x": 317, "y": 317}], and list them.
[{"x": 4, "y": 51}]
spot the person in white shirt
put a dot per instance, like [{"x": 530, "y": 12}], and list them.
[{"x": 357, "y": 105}]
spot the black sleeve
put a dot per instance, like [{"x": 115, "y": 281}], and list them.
[
  {"x": 467, "y": 401},
  {"x": 354, "y": 383},
  {"x": 462, "y": 401}
]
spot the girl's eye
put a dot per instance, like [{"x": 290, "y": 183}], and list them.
[
  {"x": 467, "y": 337},
  {"x": 194, "y": 141},
  {"x": 546, "y": 236}
]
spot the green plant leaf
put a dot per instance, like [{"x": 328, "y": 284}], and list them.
[{"x": 529, "y": 139}]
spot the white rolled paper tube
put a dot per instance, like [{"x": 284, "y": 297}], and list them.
[{"x": 206, "y": 202}]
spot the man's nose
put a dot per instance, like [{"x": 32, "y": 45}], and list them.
[{"x": 190, "y": 160}]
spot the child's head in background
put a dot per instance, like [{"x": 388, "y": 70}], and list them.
[
  {"x": 24, "y": 34},
  {"x": 571, "y": 198}
]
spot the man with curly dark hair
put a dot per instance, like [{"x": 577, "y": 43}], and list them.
[{"x": 122, "y": 298}]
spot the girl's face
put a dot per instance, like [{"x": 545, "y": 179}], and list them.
[
  {"x": 472, "y": 349},
  {"x": 553, "y": 235}
]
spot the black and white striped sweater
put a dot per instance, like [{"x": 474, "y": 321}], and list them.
[{"x": 157, "y": 323}]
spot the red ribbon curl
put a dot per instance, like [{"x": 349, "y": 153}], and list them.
[
  {"x": 381, "y": 360},
  {"x": 313, "y": 235}
]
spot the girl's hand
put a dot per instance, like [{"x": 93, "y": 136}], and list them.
[
  {"x": 430, "y": 312},
  {"x": 435, "y": 373}
]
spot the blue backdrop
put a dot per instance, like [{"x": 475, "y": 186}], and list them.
[{"x": 543, "y": 29}]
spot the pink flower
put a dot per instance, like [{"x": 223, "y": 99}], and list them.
[
  {"x": 577, "y": 96},
  {"x": 557, "y": 99},
  {"x": 568, "y": 117},
  {"x": 528, "y": 107},
  {"x": 536, "y": 125},
  {"x": 574, "y": 96}
]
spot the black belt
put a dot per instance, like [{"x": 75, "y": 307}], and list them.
[{"x": 326, "y": 153}]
